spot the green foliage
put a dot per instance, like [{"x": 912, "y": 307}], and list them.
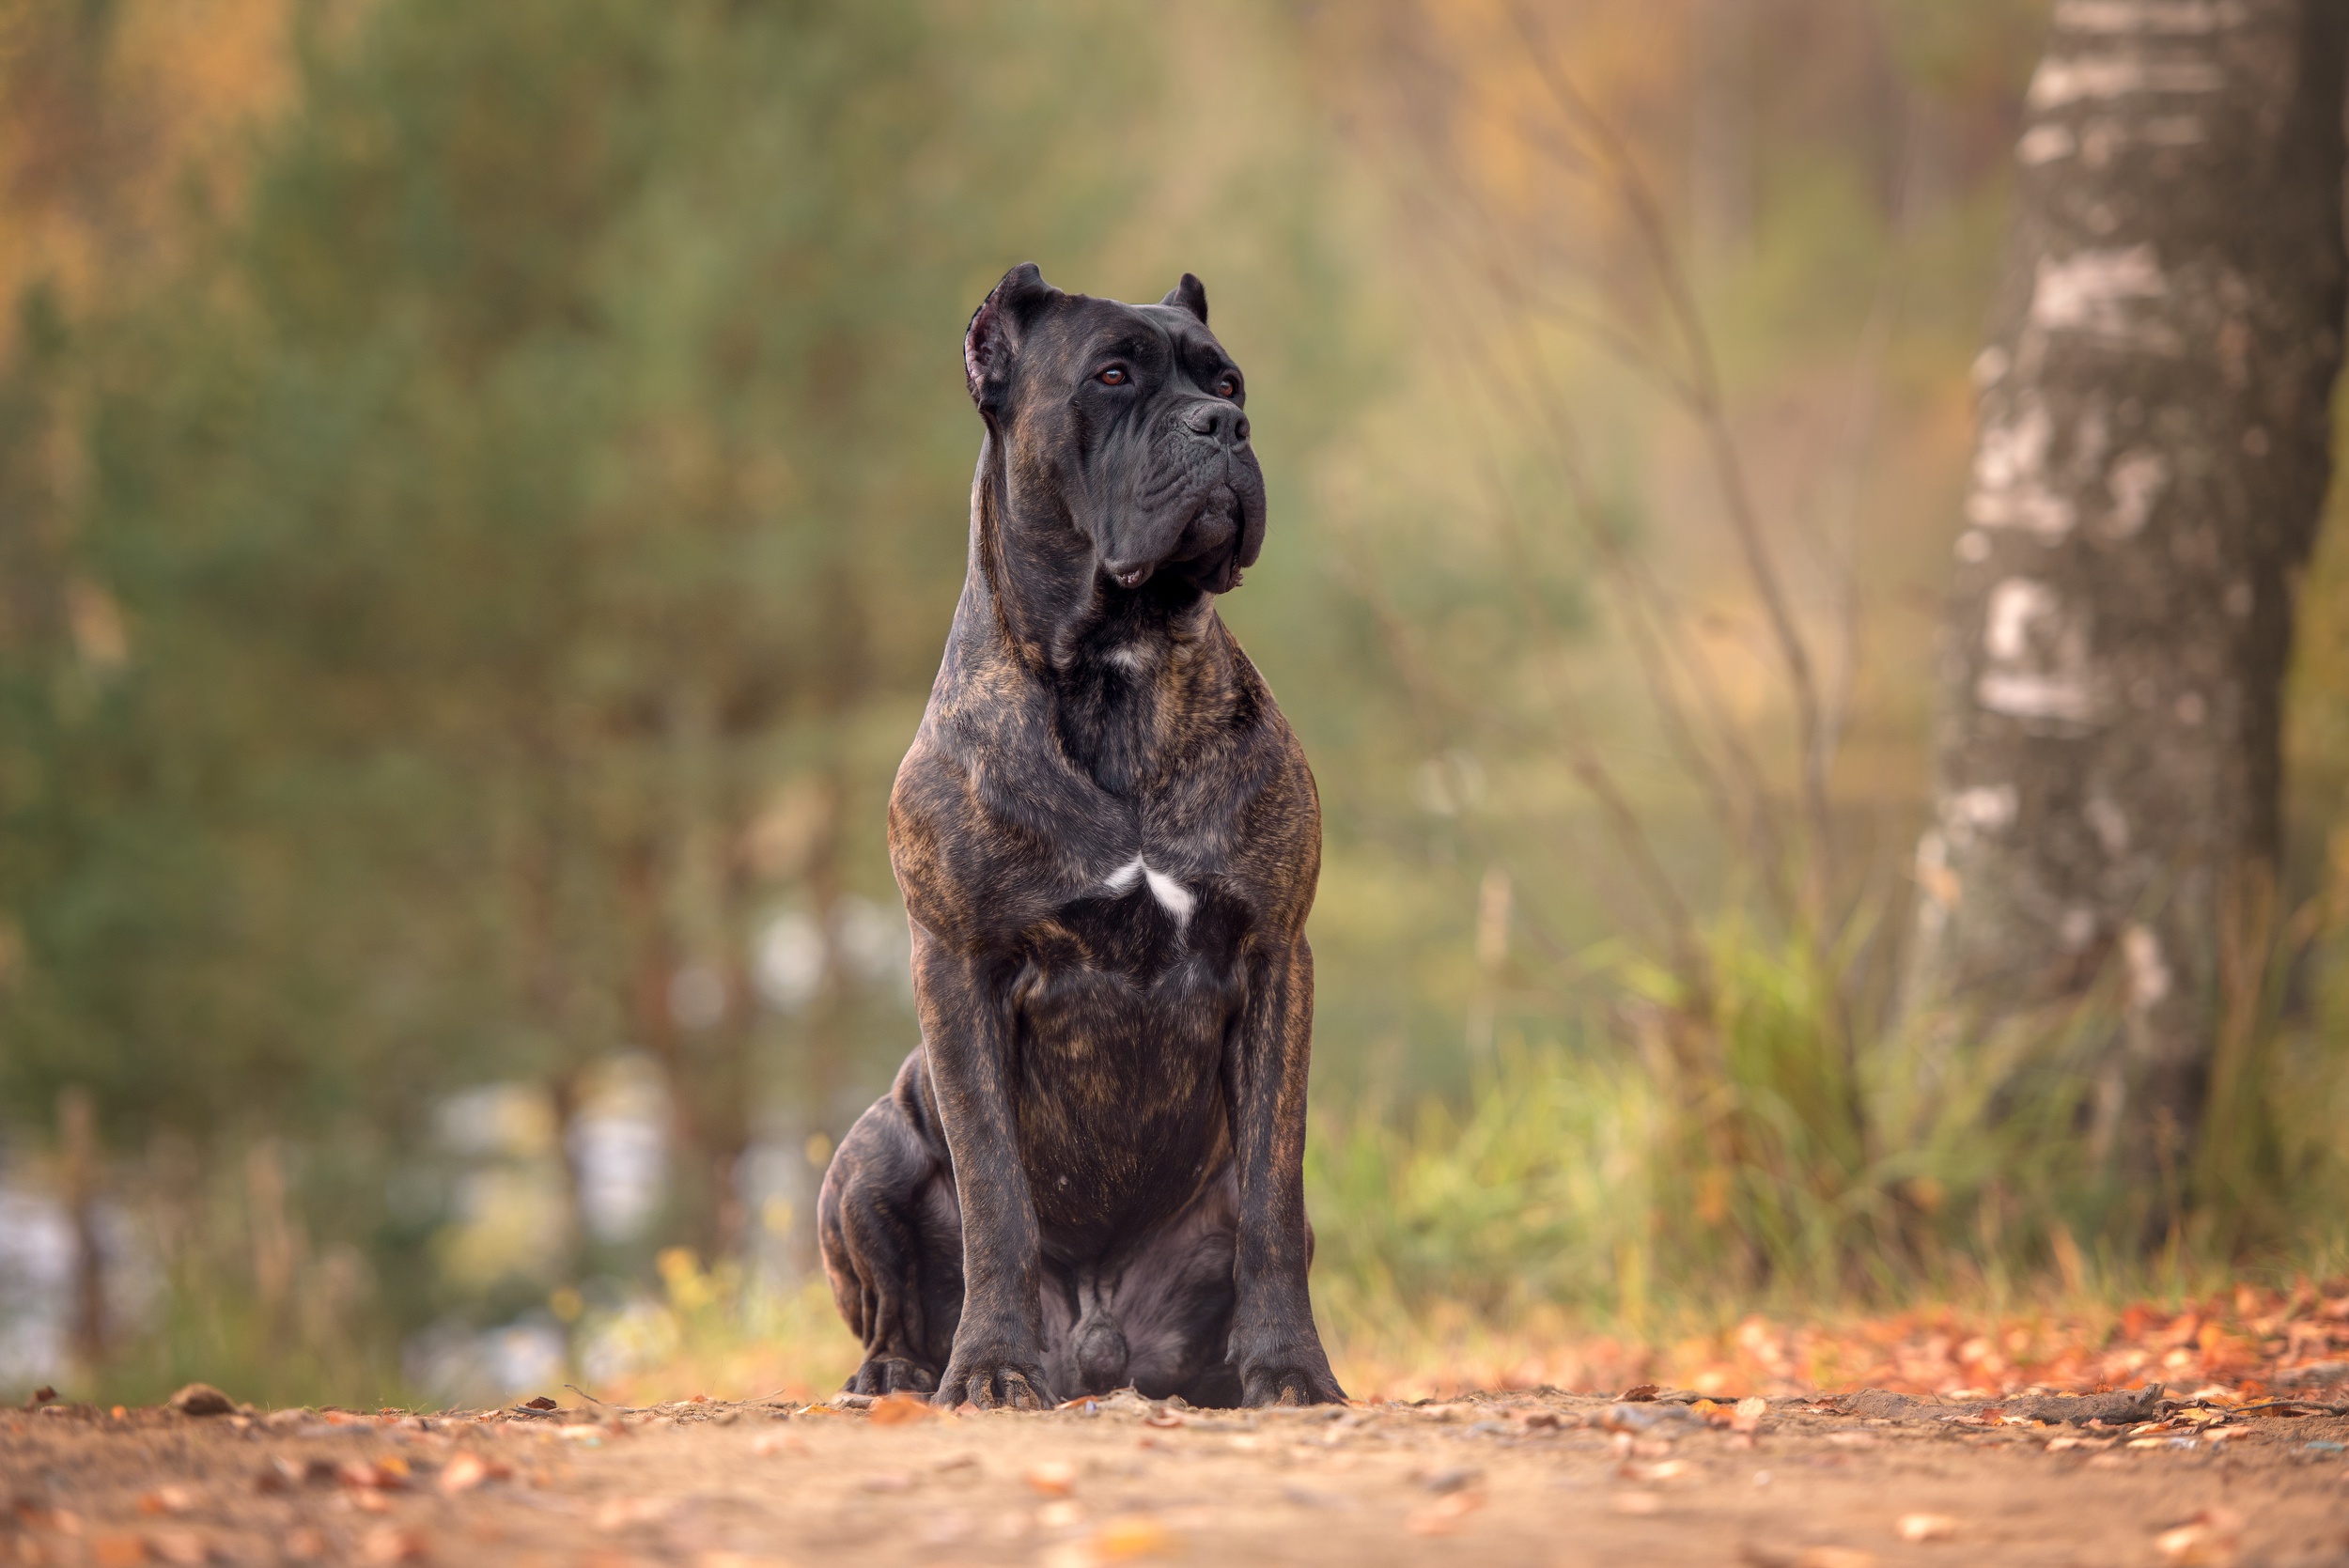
[{"x": 1745, "y": 1158}]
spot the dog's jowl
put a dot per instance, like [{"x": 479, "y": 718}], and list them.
[{"x": 1090, "y": 1174}]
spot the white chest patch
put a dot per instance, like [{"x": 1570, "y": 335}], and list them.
[{"x": 1178, "y": 899}]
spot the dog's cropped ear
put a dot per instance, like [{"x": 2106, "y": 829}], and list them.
[
  {"x": 1191, "y": 295},
  {"x": 990, "y": 344}
]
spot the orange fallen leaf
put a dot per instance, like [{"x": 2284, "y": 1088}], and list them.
[
  {"x": 468, "y": 1470},
  {"x": 1129, "y": 1536},
  {"x": 899, "y": 1408}
]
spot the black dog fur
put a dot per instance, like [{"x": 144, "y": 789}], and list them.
[{"x": 1090, "y": 1174}]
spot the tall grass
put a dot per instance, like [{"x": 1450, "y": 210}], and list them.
[{"x": 1692, "y": 1166}]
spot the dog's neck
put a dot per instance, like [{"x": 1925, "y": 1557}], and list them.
[{"x": 1122, "y": 666}]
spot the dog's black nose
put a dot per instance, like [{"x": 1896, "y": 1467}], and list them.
[{"x": 1218, "y": 420}]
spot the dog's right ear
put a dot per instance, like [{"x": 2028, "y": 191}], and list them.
[{"x": 991, "y": 343}]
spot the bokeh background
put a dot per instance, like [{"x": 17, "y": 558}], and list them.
[{"x": 482, "y": 489}]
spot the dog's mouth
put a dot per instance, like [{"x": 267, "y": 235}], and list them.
[{"x": 1203, "y": 550}]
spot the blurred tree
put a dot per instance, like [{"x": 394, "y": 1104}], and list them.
[
  {"x": 560, "y": 444},
  {"x": 2150, "y": 468}
]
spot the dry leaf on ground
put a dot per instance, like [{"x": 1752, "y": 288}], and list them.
[{"x": 899, "y": 1408}]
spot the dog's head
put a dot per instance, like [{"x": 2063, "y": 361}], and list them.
[{"x": 1125, "y": 424}]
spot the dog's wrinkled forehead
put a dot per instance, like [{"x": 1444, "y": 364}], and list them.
[
  {"x": 1028, "y": 336},
  {"x": 1085, "y": 335}
]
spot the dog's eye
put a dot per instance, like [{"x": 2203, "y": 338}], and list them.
[
  {"x": 1114, "y": 376},
  {"x": 1227, "y": 387}
]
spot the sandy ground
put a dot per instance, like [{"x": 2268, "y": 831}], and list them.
[{"x": 1523, "y": 1477}]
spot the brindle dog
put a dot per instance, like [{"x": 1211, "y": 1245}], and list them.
[{"x": 1090, "y": 1174}]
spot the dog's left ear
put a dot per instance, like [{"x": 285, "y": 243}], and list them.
[{"x": 1191, "y": 295}]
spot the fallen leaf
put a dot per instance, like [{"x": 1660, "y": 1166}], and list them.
[
  {"x": 1051, "y": 1479},
  {"x": 201, "y": 1399},
  {"x": 1129, "y": 1536},
  {"x": 467, "y": 1470},
  {"x": 41, "y": 1395},
  {"x": 1749, "y": 1414},
  {"x": 362, "y": 1476},
  {"x": 899, "y": 1408},
  {"x": 1926, "y": 1526},
  {"x": 1639, "y": 1391},
  {"x": 541, "y": 1403}
]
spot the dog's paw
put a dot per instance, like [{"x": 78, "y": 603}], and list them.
[
  {"x": 1297, "y": 1376},
  {"x": 891, "y": 1375},
  {"x": 995, "y": 1377}
]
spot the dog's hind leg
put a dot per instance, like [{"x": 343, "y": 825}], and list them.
[{"x": 892, "y": 1241}]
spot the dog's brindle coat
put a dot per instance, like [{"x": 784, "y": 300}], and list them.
[{"x": 1090, "y": 1173}]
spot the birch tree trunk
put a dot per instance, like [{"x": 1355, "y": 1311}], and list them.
[{"x": 2152, "y": 458}]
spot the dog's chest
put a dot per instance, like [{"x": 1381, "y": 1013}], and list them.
[{"x": 1143, "y": 927}]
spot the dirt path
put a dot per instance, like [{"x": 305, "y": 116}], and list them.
[{"x": 1532, "y": 1478}]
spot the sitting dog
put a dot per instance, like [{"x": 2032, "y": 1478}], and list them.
[{"x": 1090, "y": 1173}]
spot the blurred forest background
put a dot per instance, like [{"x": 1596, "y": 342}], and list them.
[{"x": 482, "y": 489}]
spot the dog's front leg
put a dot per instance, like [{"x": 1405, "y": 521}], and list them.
[
  {"x": 998, "y": 1356},
  {"x": 1275, "y": 1347}
]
